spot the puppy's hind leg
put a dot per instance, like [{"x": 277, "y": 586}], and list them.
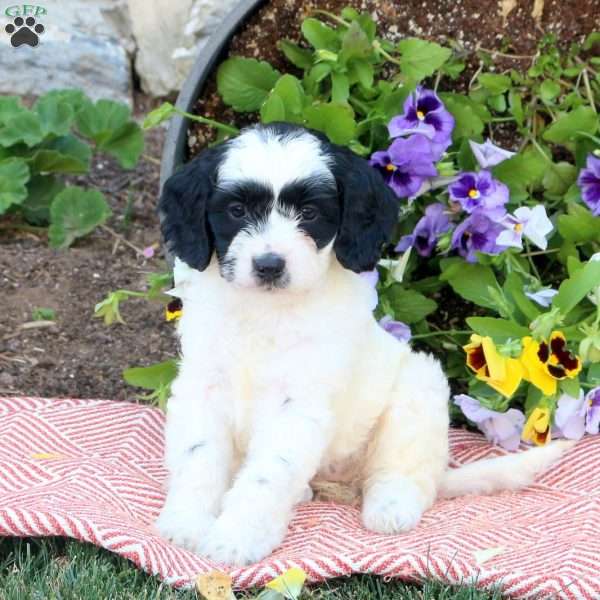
[{"x": 409, "y": 451}]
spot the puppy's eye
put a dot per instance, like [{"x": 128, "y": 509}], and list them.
[
  {"x": 237, "y": 210},
  {"x": 309, "y": 213}
]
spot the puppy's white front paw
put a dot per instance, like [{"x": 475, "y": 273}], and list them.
[
  {"x": 239, "y": 542},
  {"x": 393, "y": 506},
  {"x": 185, "y": 526}
]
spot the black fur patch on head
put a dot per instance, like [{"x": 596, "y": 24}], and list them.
[
  {"x": 369, "y": 210},
  {"x": 316, "y": 204},
  {"x": 183, "y": 208}
]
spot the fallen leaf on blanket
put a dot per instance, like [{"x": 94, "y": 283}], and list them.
[
  {"x": 538, "y": 9},
  {"x": 486, "y": 554},
  {"x": 506, "y": 7},
  {"x": 215, "y": 585},
  {"x": 47, "y": 455},
  {"x": 288, "y": 584}
]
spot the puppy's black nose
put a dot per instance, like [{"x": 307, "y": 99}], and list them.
[{"x": 268, "y": 267}]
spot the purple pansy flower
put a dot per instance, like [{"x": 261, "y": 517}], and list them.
[
  {"x": 592, "y": 400},
  {"x": 589, "y": 183},
  {"x": 488, "y": 154},
  {"x": 424, "y": 237},
  {"x": 372, "y": 277},
  {"x": 499, "y": 428},
  {"x": 480, "y": 192},
  {"x": 400, "y": 330},
  {"x": 576, "y": 416},
  {"x": 426, "y": 114},
  {"x": 405, "y": 164},
  {"x": 477, "y": 233}
]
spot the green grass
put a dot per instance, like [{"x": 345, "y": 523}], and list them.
[{"x": 58, "y": 569}]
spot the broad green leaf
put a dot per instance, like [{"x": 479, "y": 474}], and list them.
[
  {"x": 574, "y": 289},
  {"x": 499, "y": 330},
  {"x": 361, "y": 71},
  {"x": 126, "y": 145},
  {"x": 55, "y": 114},
  {"x": 570, "y": 387},
  {"x": 76, "y": 99},
  {"x": 22, "y": 127},
  {"x": 522, "y": 170},
  {"x": 592, "y": 39},
  {"x": 319, "y": 35},
  {"x": 355, "y": 44},
  {"x": 497, "y": 103},
  {"x": 157, "y": 116},
  {"x": 245, "y": 83},
  {"x": 340, "y": 88},
  {"x": 549, "y": 90},
  {"x": 9, "y": 107},
  {"x": 570, "y": 125},
  {"x": 513, "y": 288},
  {"x": 579, "y": 225},
  {"x": 420, "y": 58},
  {"x": 52, "y": 161},
  {"x": 152, "y": 377},
  {"x": 273, "y": 109},
  {"x": 515, "y": 105},
  {"x": 74, "y": 213},
  {"x": 41, "y": 191},
  {"x": 14, "y": 174},
  {"x": 469, "y": 115},
  {"x": 300, "y": 57},
  {"x": 495, "y": 84},
  {"x": 472, "y": 282},
  {"x": 559, "y": 178},
  {"x": 72, "y": 146},
  {"x": 99, "y": 121},
  {"x": 335, "y": 120},
  {"x": 409, "y": 306}
]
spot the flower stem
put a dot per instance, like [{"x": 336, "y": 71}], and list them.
[
  {"x": 448, "y": 332},
  {"x": 588, "y": 89},
  {"x": 227, "y": 128}
]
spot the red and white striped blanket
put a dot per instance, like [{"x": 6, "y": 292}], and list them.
[{"x": 92, "y": 470}]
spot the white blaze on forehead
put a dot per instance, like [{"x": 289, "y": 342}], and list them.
[{"x": 272, "y": 159}]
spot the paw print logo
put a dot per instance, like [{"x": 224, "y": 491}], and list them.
[{"x": 24, "y": 31}]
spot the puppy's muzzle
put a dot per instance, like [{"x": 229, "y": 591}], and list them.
[{"x": 268, "y": 268}]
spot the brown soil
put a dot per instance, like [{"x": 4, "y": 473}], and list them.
[
  {"x": 79, "y": 356},
  {"x": 472, "y": 24}
]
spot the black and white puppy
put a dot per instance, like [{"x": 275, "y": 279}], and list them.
[{"x": 284, "y": 373}]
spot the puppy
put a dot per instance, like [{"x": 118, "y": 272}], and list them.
[{"x": 284, "y": 373}]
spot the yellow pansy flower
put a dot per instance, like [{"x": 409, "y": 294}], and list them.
[
  {"x": 173, "y": 310},
  {"x": 545, "y": 363},
  {"x": 537, "y": 427},
  {"x": 499, "y": 372}
]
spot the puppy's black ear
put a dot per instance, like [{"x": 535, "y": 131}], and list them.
[
  {"x": 182, "y": 209},
  {"x": 369, "y": 211}
]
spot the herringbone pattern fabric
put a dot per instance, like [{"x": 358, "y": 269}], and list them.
[{"x": 92, "y": 470}]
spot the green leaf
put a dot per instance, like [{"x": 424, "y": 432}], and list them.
[
  {"x": 469, "y": 116},
  {"x": 9, "y": 107},
  {"x": 152, "y": 377},
  {"x": 420, "y": 58},
  {"x": 472, "y": 282},
  {"x": 579, "y": 225},
  {"x": 74, "y": 213},
  {"x": 244, "y": 83},
  {"x": 495, "y": 84},
  {"x": 41, "y": 190},
  {"x": 515, "y": 104},
  {"x": 14, "y": 174},
  {"x": 56, "y": 115},
  {"x": 549, "y": 90},
  {"x": 273, "y": 109},
  {"x": 409, "y": 306},
  {"x": 559, "y": 178},
  {"x": 319, "y": 35},
  {"x": 22, "y": 127},
  {"x": 157, "y": 116},
  {"x": 126, "y": 145},
  {"x": 570, "y": 387},
  {"x": 360, "y": 71},
  {"x": 569, "y": 125},
  {"x": 285, "y": 102},
  {"x": 71, "y": 146},
  {"x": 355, "y": 44},
  {"x": 340, "y": 88},
  {"x": 574, "y": 289},
  {"x": 592, "y": 39},
  {"x": 499, "y": 330},
  {"x": 52, "y": 161},
  {"x": 522, "y": 170},
  {"x": 513, "y": 288},
  {"x": 300, "y": 57},
  {"x": 335, "y": 120}
]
